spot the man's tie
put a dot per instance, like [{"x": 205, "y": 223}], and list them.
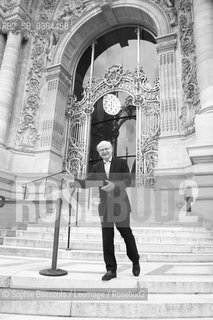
[{"x": 107, "y": 167}]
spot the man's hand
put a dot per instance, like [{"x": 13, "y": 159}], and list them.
[
  {"x": 109, "y": 187},
  {"x": 68, "y": 179}
]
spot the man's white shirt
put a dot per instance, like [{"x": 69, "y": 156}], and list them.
[{"x": 107, "y": 164}]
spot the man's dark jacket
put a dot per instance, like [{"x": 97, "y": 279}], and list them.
[{"x": 115, "y": 202}]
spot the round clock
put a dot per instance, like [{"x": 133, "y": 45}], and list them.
[{"x": 111, "y": 104}]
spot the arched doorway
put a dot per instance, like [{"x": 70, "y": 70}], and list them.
[
  {"x": 71, "y": 48},
  {"x": 113, "y": 95}
]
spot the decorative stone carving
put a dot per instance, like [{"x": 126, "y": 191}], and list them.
[
  {"x": 27, "y": 137},
  {"x": 26, "y": 3},
  {"x": 72, "y": 10},
  {"x": 53, "y": 40},
  {"x": 105, "y": 3},
  {"x": 9, "y": 5},
  {"x": 189, "y": 76},
  {"x": 49, "y": 4},
  {"x": 169, "y": 8},
  {"x": 166, "y": 46}
]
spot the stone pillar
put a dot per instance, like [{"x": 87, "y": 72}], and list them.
[
  {"x": 201, "y": 152},
  {"x": 8, "y": 79},
  {"x": 203, "y": 31},
  {"x": 2, "y": 47},
  {"x": 18, "y": 100},
  {"x": 52, "y": 123},
  {"x": 171, "y": 152},
  {"x": 168, "y": 86}
]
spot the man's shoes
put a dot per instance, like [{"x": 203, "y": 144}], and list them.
[
  {"x": 136, "y": 269},
  {"x": 109, "y": 275}
]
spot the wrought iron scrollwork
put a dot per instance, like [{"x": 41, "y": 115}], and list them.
[{"x": 143, "y": 102}]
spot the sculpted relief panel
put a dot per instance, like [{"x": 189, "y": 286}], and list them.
[
  {"x": 45, "y": 33},
  {"x": 189, "y": 75},
  {"x": 9, "y": 5},
  {"x": 27, "y": 134},
  {"x": 169, "y": 8}
]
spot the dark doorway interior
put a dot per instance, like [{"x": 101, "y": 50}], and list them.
[{"x": 119, "y": 129}]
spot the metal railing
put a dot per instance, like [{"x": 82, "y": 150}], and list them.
[
  {"x": 24, "y": 185},
  {"x": 53, "y": 271}
]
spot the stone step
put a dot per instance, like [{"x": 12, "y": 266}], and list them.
[
  {"x": 7, "y": 233},
  {"x": 7, "y": 316},
  {"x": 74, "y": 245},
  {"x": 157, "y": 306},
  {"x": 94, "y": 221},
  {"x": 156, "y": 229},
  {"x": 136, "y": 231},
  {"x": 155, "y": 226},
  {"x": 63, "y": 235},
  {"x": 97, "y": 236},
  {"x": 84, "y": 282},
  {"x": 87, "y": 216},
  {"x": 94, "y": 245},
  {"x": 97, "y": 255}
]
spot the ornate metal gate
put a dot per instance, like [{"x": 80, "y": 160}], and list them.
[{"x": 146, "y": 100}]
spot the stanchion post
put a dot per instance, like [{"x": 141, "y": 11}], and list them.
[
  {"x": 25, "y": 191},
  {"x": 77, "y": 199},
  {"x": 69, "y": 227},
  {"x": 53, "y": 271}
]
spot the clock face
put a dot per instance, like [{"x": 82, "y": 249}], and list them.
[{"x": 111, "y": 104}]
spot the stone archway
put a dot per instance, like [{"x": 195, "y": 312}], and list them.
[
  {"x": 104, "y": 16},
  {"x": 67, "y": 54}
]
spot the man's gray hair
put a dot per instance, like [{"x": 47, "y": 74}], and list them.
[{"x": 103, "y": 143}]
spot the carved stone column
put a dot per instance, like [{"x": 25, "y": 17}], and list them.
[
  {"x": 2, "y": 47},
  {"x": 8, "y": 79},
  {"x": 201, "y": 152},
  {"x": 52, "y": 124},
  {"x": 171, "y": 151},
  {"x": 168, "y": 86},
  {"x": 203, "y": 30},
  {"x": 18, "y": 100}
]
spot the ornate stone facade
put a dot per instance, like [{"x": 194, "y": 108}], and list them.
[
  {"x": 189, "y": 74},
  {"x": 27, "y": 138},
  {"x": 46, "y": 33},
  {"x": 9, "y": 5},
  {"x": 44, "y": 43},
  {"x": 169, "y": 8},
  {"x": 41, "y": 124}
]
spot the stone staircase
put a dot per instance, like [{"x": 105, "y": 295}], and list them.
[
  {"x": 176, "y": 260},
  {"x": 188, "y": 294},
  {"x": 155, "y": 244}
]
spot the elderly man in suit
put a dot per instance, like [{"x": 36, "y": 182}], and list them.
[{"x": 112, "y": 176}]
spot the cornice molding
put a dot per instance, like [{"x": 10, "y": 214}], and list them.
[{"x": 167, "y": 42}]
